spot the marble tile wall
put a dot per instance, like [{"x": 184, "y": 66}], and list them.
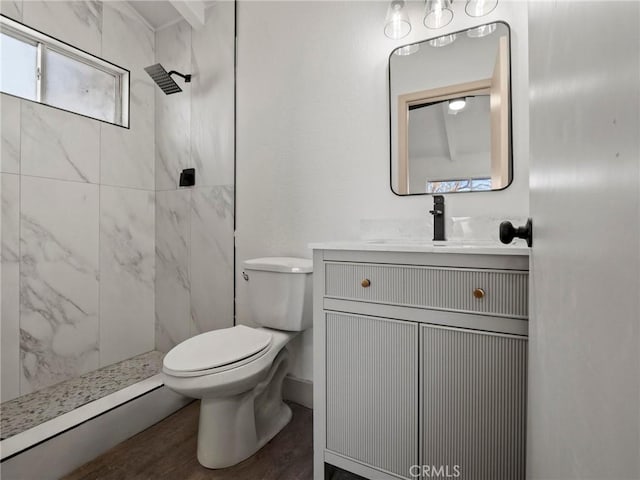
[
  {"x": 57, "y": 145},
  {"x": 125, "y": 42},
  {"x": 173, "y": 112},
  {"x": 212, "y": 120},
  {"x": 9, "y": 281},
  {"x": 59, "y": 275},
  {"x": 127, "y": 259},
  {"x": 211, "y": 260},
  {"x": 78, "y": 212},
  {"x": 10, "y": 112},
  {"x": 173, "y": 285},
  {"x": 76, "y": 22},
  {"x": 194, "y": 226},
  {"x": 12, "y": 9}
]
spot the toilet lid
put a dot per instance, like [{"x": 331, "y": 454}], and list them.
[{"x": 216, "y": 348}]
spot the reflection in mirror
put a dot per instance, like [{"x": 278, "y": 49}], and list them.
[
  {"x": 455, "y": 138},
  {"x": 450, "y": 113}
]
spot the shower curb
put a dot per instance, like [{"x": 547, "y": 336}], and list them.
[{"x": 57, "y": 447}]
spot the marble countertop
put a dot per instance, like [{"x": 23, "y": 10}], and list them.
[{"x": 424, "y": 246}]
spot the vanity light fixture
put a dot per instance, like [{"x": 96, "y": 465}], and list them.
[
  {"x": 397, "y": 24},
  {"x": 479, "y": 8},
  {"x": 437, "y": 13}
]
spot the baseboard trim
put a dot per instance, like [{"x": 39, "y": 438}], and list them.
[{"x": 298, "y": 390}]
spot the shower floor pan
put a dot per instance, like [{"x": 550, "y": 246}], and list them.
[{"x": 82, "y": 417}]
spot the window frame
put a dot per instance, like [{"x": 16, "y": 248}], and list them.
[{"x": 44, "y": 43}]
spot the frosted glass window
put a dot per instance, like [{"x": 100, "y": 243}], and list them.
[
  {"x": 79, "y": 87},
  {"x": 43, "y": 69},
  {"x": 18, "y": 70}
]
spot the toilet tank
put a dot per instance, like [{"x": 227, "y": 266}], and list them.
[{"x": 280, "y": 292}]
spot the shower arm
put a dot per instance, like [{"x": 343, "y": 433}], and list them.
[{"x": 187, "y": 78}]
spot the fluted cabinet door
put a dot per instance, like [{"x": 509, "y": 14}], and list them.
[
  {"x": 372, "y": 391},
  {"x": 474, "y": 403}
]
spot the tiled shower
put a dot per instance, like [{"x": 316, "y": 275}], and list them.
[{"x": 104, "y": 257}]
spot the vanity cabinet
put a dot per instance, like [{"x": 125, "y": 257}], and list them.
[
  {"x": 420, "y": 361},
  {"x": 472, "y": 402},
  {"x": 372, "y": 386}
]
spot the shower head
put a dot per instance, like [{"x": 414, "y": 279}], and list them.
[{"x": 164, "y": 80}]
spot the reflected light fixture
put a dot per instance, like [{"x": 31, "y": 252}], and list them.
[
  {"x": 479, "y": 8},
  {"x": 407, "y": 49},
  {"x": 397, "y": 24},
  {"x": 437, "y": 13},
  {"x": 457, "y": 104},
  {"x": 481, "y": 31},
  {"x": 442, "y": 41}
]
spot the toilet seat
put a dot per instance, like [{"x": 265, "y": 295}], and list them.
[{"x": 217, "y": 351}]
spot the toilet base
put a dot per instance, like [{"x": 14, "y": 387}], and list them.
[{"x": 231, "y": 429}]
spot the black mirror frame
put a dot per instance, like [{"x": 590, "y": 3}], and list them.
[{"x": 510, "y": 114}]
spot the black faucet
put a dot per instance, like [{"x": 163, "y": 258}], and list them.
[{"x": 438, "y": 218}]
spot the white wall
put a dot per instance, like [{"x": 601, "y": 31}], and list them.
[
  {"x": 313, "y": 130},
  {"x": 77, "y": 212}
]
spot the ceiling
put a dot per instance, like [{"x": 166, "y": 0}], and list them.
[
  {"x": 158, "y": 13},
  {"x": 162, "y": 13}
]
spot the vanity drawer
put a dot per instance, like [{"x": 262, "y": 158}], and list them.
[{"x": 491, "y": 292}]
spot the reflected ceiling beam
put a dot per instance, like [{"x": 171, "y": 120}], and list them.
[
  {"x": 191, "y": 10},
  {"x": 446, "y": 120}
]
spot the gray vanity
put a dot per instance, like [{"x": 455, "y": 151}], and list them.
[{"x": 420, "y": 360}]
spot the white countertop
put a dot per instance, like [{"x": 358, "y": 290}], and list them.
[{"x": 424, "y": 246}]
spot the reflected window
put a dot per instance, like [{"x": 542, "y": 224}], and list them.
[
  {"x": 42, "y": 69},
  {"x": 459, "y": 185}
]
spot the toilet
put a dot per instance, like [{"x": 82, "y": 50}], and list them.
[{"x": 238, "y": 372}]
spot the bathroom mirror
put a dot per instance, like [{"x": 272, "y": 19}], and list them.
[{"x": 450, "y": 107}]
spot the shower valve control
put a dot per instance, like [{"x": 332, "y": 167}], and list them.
[{"x": 188, "y": 177}]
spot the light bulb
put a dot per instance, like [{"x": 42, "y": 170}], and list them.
[
  {"x": 479, "y": 8},
  {"x": 438, "y": 13},
  {"x": 397, "y": 24},
  {"x": 457, "y": 104}
]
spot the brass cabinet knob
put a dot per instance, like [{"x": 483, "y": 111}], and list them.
[
  {"x": 365, "y": 283},
  {"x": 479, "y": 293}
]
